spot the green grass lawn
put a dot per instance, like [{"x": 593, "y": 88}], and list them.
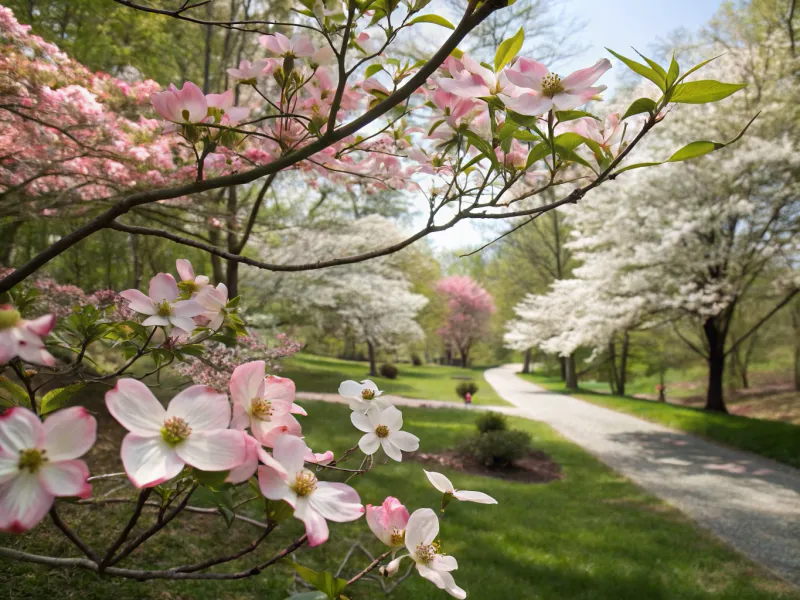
[
  {"x": 429, "y": 382},
  {"x": 773, "y": 439},
  {"x": 591, "y": 536}
]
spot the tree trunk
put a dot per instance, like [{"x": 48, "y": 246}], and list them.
[
  {"x": 464, "y": 357},
  {"x": 571, "y": 374},
  {"x": 7, "y": 234},
  {"x": 371, "y": 351},
  {"x": 662, "y": 388},
  {"x": 612, "y": 367},
  {"x": 136, "y": 275},
  {"x": 562, "y": 363},
  {"x": 232, "y": 273},
  {"x": 796, "y": 327},
  {"x": 623, "y": 365},
  {"x": 526, "y": 366},
  {"x": 715, "y": 337}
]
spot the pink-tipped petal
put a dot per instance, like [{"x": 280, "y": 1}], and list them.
[
  {"x": 202, "y": 407},
  {"x": 223, "y": 101},
  {"x": 20, "y": 429},
  {"x": 298, "y": 410},
  {"x": 248, "y": 468},
  {"x": 316, "y": 526},
  {"x": 530, "y": 105},
  {"x": 290, "y": 451},
  {"x": 336, "y": 502},
  {"x": 586, "y": 77},
  {"x": 65, "y": 478},
  {"x": 193, "y": 100},
  {"x": 23, "y": 503},
  {"x": 185, "y": 269},
  {"x": 163, "y": 287},
  {"x": 302, "y": 46},
  {"x": 166, "y": 105},
  {"x": 69, "y": 433},
  {"x": 139, "y": 302},
  {"x": 273, "y": 484},
  {"x": 149, "y": 461},
  {"x": 41, "y": 326},
  {"x": 247, "y": 382},
  {"x": 215, "y": 450},
  {"x": 136, "y": 408}
]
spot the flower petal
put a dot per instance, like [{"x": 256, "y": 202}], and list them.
[
  {"x": 156, "y": 321},
  {"x": 248, "y": 468},
  {"x": 336, "y": 502},
  {"x": 530, "y": 105},
  {"x": 391, "y": 450},
  {"x": 279, "y": 390},
  {"x": 442, "y": 562},
  {"x": 440, "y": 482},
  {"x": 269, "y": 432},
  {"x": 20, "y": 429},
  {"x": 69, "y": 433},
  {"x": 407, "y": 442},
  {"x": 136, "y": 408},
  {"x": 350, "y": 389},
  {"x": 369, "y": 443},
  {"x": 185, "y": 269},
  {"x": 149, "y": 461},
  {"x": 213, "y": 450},
  {"x": 66, "y": 478},
  {"x": 422, "y": 529},
  {"x": 392, "y": 418},
  {"x": 479, "y": 497},
  {"x": 290, "y": 452},
  {"x": 41, "y": 326},
  {"x": 187, "y": 308},
  {"x": 316, "y": 526},
  {"x": 163, "y": 287},
  {"x": 23, "y": 503},
  {"x": 202, "y": 407},
  {"x": 585, "y": 77},
  {"x": 192, "y": 99},
  {"x": 361, "y": 422},
  {"x": 443, "y": 580},
  {"x": 247, "y": 382},
  {"x": 273, "y": 484},
  {"x": 139, "y": 302}
]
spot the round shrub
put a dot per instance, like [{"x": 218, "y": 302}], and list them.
[
  {"x": 389, "y": 371},
  {"x": 467, "y": 387},
  {"x": 500, "y": 448},
  {"x": 491, "y": 421},
  {"x": 416, "y": 360}
]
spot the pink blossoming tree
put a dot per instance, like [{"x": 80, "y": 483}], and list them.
[{"x": 469, "y": 309}]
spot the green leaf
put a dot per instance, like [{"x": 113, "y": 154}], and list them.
[
  {"x": 523, "y": 120},
  {"x": 507, "y": 131},
  {"x": 12, "y": 394},
  {"x": 693, "y": 150},
  {"x": 698, "y": 66},
  {"x": 325, "y": 582},
  {"x": 55, "y": 399},
  {"x": 538, "y": 152},
  {"x": 674, "y": 71},
  {"x": 214, "y": 480},
  {"x": 656, "y": 67},
  {"x": 569, "y": 140},
  {"x": 435, "y": 19},
  {"x": 640, "y": 69},
  {"x": 705, "y": 91},
  {"x": 639, "y": 106},
  {"x": 481, "y": 145},
  {"x": 372, "y": 69},
  {"x": 570, "y": 115},
  {"x": 508, "y": 49}
]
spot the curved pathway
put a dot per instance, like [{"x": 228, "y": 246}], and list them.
[{"x": 751, "y": 502}]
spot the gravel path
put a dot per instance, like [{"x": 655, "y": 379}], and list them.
[{"x": 751, "y": 502}]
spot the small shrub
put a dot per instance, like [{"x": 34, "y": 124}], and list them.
[
  {"x": 499, "y": 448},
  {"x": 491, "y": 421},
  {"x": 467, "y": 387},
  {"x": 416, "y": 360},
  {"x": 389, "y": 371}
]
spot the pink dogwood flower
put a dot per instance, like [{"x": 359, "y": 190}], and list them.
[
  {"x": 222, "y": 110},
  {"x": 38, "y": 462},
  {"x": 542, "y": 90},
  {"x": 248, "y": 72},
  {"x": 23, "y": 339},
  {"x": 184, "y": 106},
  {"x": 388, "y": 522},
  {"x": 248, "y": 468},
  {"x": 607, "y": 138},
  {"x": 189, "y": 281},
  {"x": 213, "y": 300},
  {"x": 421, "y": 532},
  {"x": 382, "y": 430},
  {"x": 299, "y": 46},
  {"x": 162, "y": 306},
  {"x": 284, "y": 477},
  {"x": 262, "y": 403},
  {"x": 474, "y": 81},
  {"x": 192, "y": 430}
]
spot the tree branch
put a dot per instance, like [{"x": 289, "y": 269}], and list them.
[{"x": 763, "y": 320}]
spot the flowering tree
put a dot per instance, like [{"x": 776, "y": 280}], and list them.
[
  {"x": 469, "y": 308},
  {"x": 328, "y": 102}
]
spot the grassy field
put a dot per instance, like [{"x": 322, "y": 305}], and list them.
[
  {"x": 773, "y": 439},
  {"x": 429, "y": 382},
  {"x": 591, "y": 536}
]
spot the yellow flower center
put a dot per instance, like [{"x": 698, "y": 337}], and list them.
[
  {"x": 31, "y": 459},
  {"x": 367, "y": 394},
  {"x": 427, "y": 552},
  {"x": 261, "y": 408},
  {"x": 551, "y": 85},
  {"x": 398, "y": 537},
  {"x": 164, "y": 309},
  {"x": 175, "y": 430},
  {"x": 382, "y": 431},
  {"x": 305, "y": 482},
  {"x": 188, "y": 286},
  {"x": 9, "y": 318}
]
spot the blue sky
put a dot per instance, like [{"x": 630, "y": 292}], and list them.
[{"x": 618, "y": 24}]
